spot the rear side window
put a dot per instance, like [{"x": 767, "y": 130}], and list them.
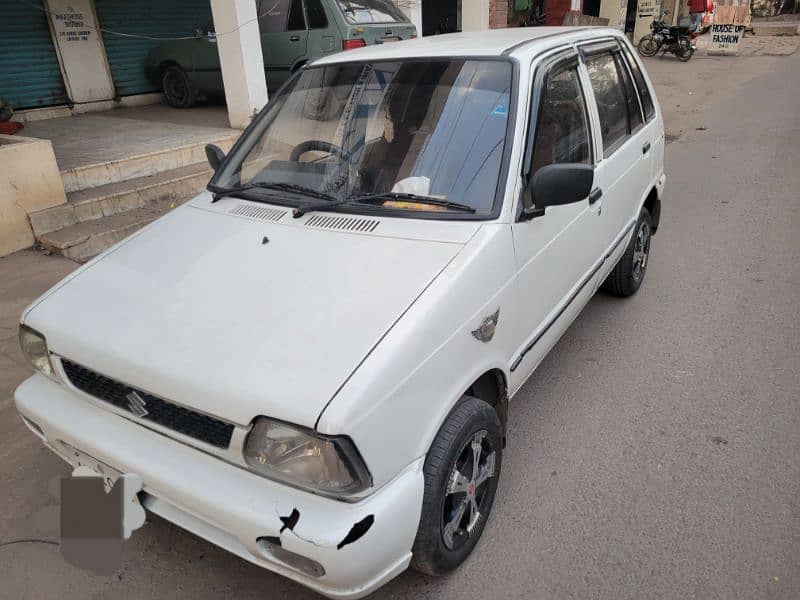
[
  {"x": 612, "y": 101},
  {"x": 634, "y": 113},
  {"x": 641, "y": 84},
  {"x": 371, "y": 11},
  {"x": 317, "y": 19},
  {"x": 297, "y": 21}
]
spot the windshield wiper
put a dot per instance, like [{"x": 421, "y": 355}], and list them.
[
  {"x": 378, "y": 199},
  {"x": 270, "y": 185},
  {"x": 411, "y": 198}
]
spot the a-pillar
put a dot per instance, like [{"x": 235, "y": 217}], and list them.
[{"x": 239, "y": 46}]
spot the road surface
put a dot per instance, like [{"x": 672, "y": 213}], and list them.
[{"x": 654, "y": 454}]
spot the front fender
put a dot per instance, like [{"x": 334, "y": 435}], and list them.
[{"x": 394, "y": 404}]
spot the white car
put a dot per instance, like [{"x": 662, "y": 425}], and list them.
[{"x": 310, "y": 365}]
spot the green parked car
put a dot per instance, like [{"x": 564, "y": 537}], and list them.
[{"x": 293, "y": 32}]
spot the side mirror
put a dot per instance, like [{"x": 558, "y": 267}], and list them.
[
  {"x": 558, "y": 184},
  {"x": 215, "y": 156}
]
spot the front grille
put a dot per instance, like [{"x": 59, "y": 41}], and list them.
[{"x": 148, "y": 407}]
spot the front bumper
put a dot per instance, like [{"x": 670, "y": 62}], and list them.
[{"x": 232, "y": 507}]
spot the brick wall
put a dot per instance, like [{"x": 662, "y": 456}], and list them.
[{"x": 498, "y": 14}]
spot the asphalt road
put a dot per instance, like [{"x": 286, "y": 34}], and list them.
[{"x": 654, "y": 454}]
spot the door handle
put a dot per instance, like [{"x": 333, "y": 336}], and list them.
[
  {"x": 646, "y": 148},
  {"x": 596, "y": 194},
  {"x": 294, "y": 38}
]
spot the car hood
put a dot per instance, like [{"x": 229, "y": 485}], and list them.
[{"x": 237, "y": 317}]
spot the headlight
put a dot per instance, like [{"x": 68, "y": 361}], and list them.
[
  {"x": 34, "y": 346},
  {"x": 329, "y": 465}
]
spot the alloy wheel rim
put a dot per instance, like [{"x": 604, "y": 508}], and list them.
[
  {"x": 641, "y": 250},
  {"x": 466, "y": 497}
]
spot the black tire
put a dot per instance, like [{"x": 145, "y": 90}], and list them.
[
  {"x": 178, "y": 89},
  {"x": 685, "y": 50},
  {"x": 470, "y": 420},
  {"x": 648, "y": 46},
  {"x": 626, "y": 279}
]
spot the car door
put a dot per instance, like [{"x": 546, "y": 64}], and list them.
[
  {"x": 652, "y": 133},
  {"x": 622, "y": 173},
  {"x": 556, "y": 252},
  {"x": 284, "y": 38},
  {"x": 323, "y": 35}
]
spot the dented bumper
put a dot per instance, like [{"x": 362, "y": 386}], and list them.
[{"x": 237, "y": 510}]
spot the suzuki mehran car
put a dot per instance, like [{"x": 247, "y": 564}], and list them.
[
  {"x": 293, "y": 33},
  {"x": 311, "y": 363}
]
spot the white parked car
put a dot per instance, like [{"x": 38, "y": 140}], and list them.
[{"x": 310, "y": 365}]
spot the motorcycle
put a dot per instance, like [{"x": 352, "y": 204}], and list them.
[{"x": 666, "y": 38}]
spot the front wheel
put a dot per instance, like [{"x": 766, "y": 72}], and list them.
[
  {"x": 461, "y": 474},
  {"x": 648, "y": 46},
  {"x": 627, "y": 276}
]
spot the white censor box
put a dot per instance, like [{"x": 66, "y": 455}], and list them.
[{"x": 728, "y": 28}]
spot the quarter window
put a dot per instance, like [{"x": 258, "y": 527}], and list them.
[
  {"x": 316, "y": 14},
  {"x": 612, "y": 101}
]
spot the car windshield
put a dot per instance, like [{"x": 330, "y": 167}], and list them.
[
  {"x": 371, "y": 11},
  {"x": 410, "y": 131}
]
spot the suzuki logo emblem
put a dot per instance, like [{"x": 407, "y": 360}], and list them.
[{"x": 136, "y": 403}]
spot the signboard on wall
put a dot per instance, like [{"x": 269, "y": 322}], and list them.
[{"x": 80, "y": 50}]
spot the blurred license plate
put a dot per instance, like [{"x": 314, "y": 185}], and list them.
[
  {"x": 389, "y": 39},
  {"x": 81, "y": 459}
]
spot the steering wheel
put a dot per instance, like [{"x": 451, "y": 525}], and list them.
[{"x": 317, "y": 145}]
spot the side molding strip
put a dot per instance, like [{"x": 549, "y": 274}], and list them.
[{"x": 574, "y": 295}]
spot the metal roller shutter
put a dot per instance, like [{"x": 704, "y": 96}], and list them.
[
  {"x": 151, "y": 18},
  {"x": 30, "y": 75}
]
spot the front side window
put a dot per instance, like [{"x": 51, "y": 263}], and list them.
[
  {"x": 433, "y": 129},
  {"x": 273, "y": 15},
  {"x": 612, "y": 102},
  {"x": 562, "y": 130},
  {"x": 371, "y": 11},
  {"x": 279, "y": 16}
]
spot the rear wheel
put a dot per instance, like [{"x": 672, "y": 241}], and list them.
[
  {"x": 627, "y": 276},
  {"x": 461, "y": 474},
  {"x": 179, "y": 90},
  {"x": 685, "y": 50},
  {"x": 648, "y": 46}
]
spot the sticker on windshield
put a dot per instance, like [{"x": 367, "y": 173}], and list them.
[{"x": 501, "y": 110}]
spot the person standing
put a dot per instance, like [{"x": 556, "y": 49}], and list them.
[{"x": 696, "y": 10}]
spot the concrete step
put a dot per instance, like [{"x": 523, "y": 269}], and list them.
[
  {"x": 85, "y": 240},
  {"x": 775, "y": 28},
  {"x": 95, "y": 175},
  {"x": 114, "y": 198}
]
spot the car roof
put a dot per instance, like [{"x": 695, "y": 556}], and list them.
[{"x": 491, "y": 43}]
